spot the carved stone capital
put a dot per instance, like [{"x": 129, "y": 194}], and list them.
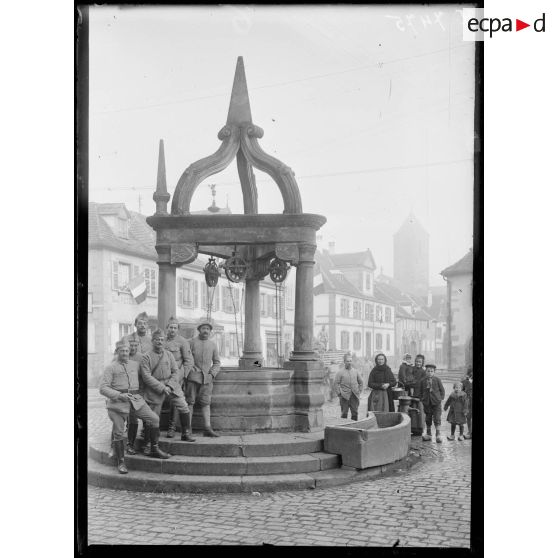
[
  {"x": 287, "y": 252},
  {"x": 306, "y": 253},
  {"x": 258, "y": 269},
  {"x": 181, "y": 254}
]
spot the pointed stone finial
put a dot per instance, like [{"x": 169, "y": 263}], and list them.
[
  {"x": 239, "y": 107},
  {"x": 161, "y": 196}
]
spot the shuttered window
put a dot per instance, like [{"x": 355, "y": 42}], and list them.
[
  {"x": 186, "y": 295},
  {"x": 121, "y": 275},
  {"x": 150, "y": 275}
]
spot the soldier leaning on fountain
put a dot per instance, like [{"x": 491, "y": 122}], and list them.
[
  {"x": 159, "y": 374},
  {"x": 180, "y": 349},
  {"x": 120, "y": 384},
  {"x": 199, "y": 382}
]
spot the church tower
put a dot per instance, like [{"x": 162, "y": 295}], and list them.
[{"x": 410, "y": 256}]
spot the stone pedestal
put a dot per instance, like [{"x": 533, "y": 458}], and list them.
[
  {"x": 251, "y": 401},
  {"x": 307, "y": 380}
]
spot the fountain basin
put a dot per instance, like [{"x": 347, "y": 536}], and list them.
[{"x": 362, "y": 444}]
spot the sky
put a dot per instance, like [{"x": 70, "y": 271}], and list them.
[{"x": 371, "y": 106}]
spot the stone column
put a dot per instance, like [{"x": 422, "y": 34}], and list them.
[
  {"x": 167, "y": 293},
  {"x": 252, "y": 352},
  {"x": 304, "y": 305}
]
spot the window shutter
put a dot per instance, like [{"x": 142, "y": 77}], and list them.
[
  {"x": 115, "y": 276},
  {"x": 195, "y": 294},
  {"x": 180, "y": 292},
  {"x": 135, "y": 271},
  {"x": 216, "y": 305},
  {"x": 203, "y": 296}
]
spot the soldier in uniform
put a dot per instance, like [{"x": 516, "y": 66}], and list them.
[
  {"x": 159, "y": 374},
  {"x": 180, "y": 349},
  {"x": 140, "y": 335},
  {"x": 136, "y": 356},
  {"x": 199, "y": 381},
  {"x": 120, "y": 385}
]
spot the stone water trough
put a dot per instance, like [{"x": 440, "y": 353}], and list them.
[{"x": 381, "y": 439}]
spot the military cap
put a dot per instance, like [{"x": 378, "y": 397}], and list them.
[
  {"x": 157, "y": 332},
  {"x": 433, "y": 366},
  {"x": 123, "y": 343},
  {"x": 172, "y": 320},
  {"x": 346, "y": 356},
  {"x": 142, "y": 316},
  {"x": 205, "y": 322}
]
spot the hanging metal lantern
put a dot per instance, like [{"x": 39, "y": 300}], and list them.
[
  {"x": 235, "y": 269},
  {"x": 211, "y": 272},
  {"x": 278, "y": 270}
]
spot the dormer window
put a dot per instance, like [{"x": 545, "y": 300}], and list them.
[{"x": 122, "y": 227}]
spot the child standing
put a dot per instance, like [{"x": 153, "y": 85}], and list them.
[
  {"x": 458, "y": 408},
  {"x": 432, "y": 394}
]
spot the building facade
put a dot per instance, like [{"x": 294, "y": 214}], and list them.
[
  {"x": 459, "y": 334},
  {"x": 415, "y": 328},
  {"x": 348, "y": 315}
]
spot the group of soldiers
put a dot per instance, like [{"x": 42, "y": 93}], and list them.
[{"x": 149, "y": 370}]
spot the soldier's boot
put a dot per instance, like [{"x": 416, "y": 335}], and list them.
[
  {"x": 208, "y": 431},
  {"x": 428, "y": 436},
  {"x": 156, "y": 451},
  {"x": 173, "y": 421},
  {"x": 343, "y": 415},
  {"x": 111, "y": 453},
  {"x": 132, "y": 433},
  {"x": 186, "y": 423},
  {"x": 438, "y": 435},
  {"x": 354, "y": 417},
  {"x": 119, "y": 452},
  {"x": 146, "y": 440}
]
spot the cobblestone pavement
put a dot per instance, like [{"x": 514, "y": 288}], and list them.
[{"x": 427, "y": 506}]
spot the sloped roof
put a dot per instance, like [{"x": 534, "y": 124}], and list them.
[
  {"x": 337, "y": 282},
  {"x": 140, "y": 241},
  {"x": 400, "y": 299},
  {"x": 354, "y": 259},
  {"x": 461, "y": 267}
]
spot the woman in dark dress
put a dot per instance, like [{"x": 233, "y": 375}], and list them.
[{"x": 381, "y": 380}]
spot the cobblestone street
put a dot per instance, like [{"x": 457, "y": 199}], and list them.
[{"x": 428, "y": 505}]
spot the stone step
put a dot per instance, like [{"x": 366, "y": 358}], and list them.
[
  {"x": 224, "y": 466},
  {"x": 248, "y": 445},
  {"x": 107, "y": 476}
]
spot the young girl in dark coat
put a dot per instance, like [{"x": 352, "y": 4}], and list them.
[
  {"x": 381, "y": 380},
  {"x": 458, "y": 404}
]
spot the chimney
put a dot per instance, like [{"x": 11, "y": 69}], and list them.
[
  {"x": 331, "y": 247},
  {"x": 429, "y": 299},
  {"x": 320, "y": 242}
]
